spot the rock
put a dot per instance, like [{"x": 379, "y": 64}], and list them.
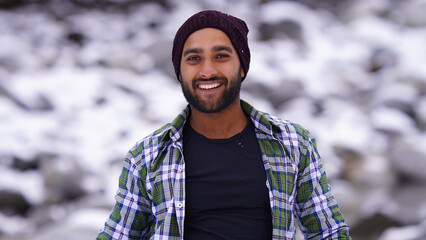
[
  {"x": 277, "y": 95},
  {"x": 411, "y": 232},
  {"x": 409, "y": 197},
  {"x": 122, "y": 56},
  {"x": 408, "y": 157},
  {"x": 300, "y": 110},
  {"x": 29, "y": 184},
  {"x": 12, "y": 227},
  {"x": 24, "y": 165},
  {"x": 12, "y": 203},
  {"x": 10, "y": 4},
  {"x": 38, "y": 102},
  {"x": 80, "y": 224},
  {"x": 349, "y": 199},
  {"x": 382, "y": 58},
  {"x": 420, "y": 112},
  {"x": 160, "y": 52},
  {"x": 330, "y": 5},
  {"x": 359, "y": 9},
  {"x": 366, "y": 170},
  {"x": 285, "y": 28},
  {"x": 63, "y": 179},
  {"x": 392, "y": 121},
  {"x": 413, "y": 12},
  {"x": 352, "y": 162},
  {"x": 76, "y": 37},
  {"x": 342, "y": 118},
  {"x": 372, "y": 227},
  {"x": 397, "y": 95}
]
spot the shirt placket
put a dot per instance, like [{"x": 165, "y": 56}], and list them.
[{"x": 179, "y": 190}]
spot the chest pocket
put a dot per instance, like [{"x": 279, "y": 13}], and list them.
[
  {"x": 282, "y": 175},
  {"x": 166, "y": 187},
  {"x": 281, "y": 169},
  {"x": 162, "y": 177}
]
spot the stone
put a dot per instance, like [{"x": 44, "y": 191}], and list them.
[
  {"x": 382, "y": 58},
  {"x": 63, "y": 179},
  {"x": 372, "y": 227},
  {"x": 392, "y": 121},
  {"x": 420, "y": 113},
  {"x": 278, "y": 95},
  {"x": 399, "y": 95},
  {"x": 413, "y": 12},
  {"x": 285, "y": 28},
  {"x": 411, "y": 232},
  {"x": 12, "y": 203},
  {"x": 409, "y": 198},
  {"x": 408, "y": 157},
  {"x": 363, "y": 8}
]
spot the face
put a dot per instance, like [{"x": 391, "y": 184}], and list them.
[{"x": 210, "y": 71}]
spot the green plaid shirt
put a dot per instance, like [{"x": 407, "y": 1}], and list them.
[{"x": 150, "y": 201}]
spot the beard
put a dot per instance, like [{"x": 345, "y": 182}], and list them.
[{"x": 232, "y": 91}]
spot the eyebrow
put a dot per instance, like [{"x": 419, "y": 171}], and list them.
[
  {"x": 192, "y": 50},
  {"x": 214, "y": 49},
  {"x": 222, "y": 48}
]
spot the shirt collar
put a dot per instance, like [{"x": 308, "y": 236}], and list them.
[{"x": 262, "y": 121}]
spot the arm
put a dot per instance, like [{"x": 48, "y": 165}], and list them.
[
  {"x": 131, "y": 216},
  {"x": 316, "y": 207}
]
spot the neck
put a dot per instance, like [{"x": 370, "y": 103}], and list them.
[{"x": 221, "y": 125}]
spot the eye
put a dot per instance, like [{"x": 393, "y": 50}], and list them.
[
  {"x": 222, "y": 56},
  {"x": 193, "y": 59}
]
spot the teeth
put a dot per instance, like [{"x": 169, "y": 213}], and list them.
[{"x": 209, "y": 86}]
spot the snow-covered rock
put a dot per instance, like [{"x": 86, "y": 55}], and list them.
[{"x": 409, "y": 156}]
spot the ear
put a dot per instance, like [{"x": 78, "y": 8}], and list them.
[{"x": 242, "y": 72}]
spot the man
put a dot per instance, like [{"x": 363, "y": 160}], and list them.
[{"x": 222, "y": 169}]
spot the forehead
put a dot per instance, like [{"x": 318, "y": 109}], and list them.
[{"x": 207, "y": 37}]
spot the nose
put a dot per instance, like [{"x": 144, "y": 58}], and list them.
[{"x": 208, "y": 69}]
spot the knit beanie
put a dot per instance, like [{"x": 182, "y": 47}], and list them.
[{"x": 235, "y": 28}]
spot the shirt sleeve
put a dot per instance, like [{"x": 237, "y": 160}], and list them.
[
  {"x": 131, "y": 216},
  {"x": 316, "y": 208}
]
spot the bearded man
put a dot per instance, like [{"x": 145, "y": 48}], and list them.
[{"x": 222, "y": 169}]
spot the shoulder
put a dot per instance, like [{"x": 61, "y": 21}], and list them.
[
  {"x": 291, "y": 134},
  {"x": 286, "y": 128},
  {"x": 297, "y": 140},
  {"x": 148, "y": 148}
]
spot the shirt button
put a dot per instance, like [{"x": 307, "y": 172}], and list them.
[{"x": 179, "y": 204}]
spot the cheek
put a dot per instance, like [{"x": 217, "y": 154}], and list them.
[
  {"x": 186, "y": 71},
  {"x": 185, "y": 78}
]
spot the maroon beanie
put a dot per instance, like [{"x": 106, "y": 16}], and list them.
[{"x": 235, "y": 28}]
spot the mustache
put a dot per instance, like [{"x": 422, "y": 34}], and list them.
[{"x": 197, "y": 80}]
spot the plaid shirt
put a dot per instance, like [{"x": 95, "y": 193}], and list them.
[{"x": 150, "y": 201}]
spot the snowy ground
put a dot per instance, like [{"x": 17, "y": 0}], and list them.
[{"x": 78, "y": 87}]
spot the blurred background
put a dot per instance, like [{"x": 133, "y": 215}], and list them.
[{"x": 81, "y": 81}]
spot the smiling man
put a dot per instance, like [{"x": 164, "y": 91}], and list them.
[{"x": 222, "y": 169}]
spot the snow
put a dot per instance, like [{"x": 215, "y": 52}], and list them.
[
  {"x": 390, "y": 119},
  {"x": 405, "y": 233},
  {"x": 14, "y": 225},
  {"x": 29, "y": 184},
  {"x": 90, "y": 103}
]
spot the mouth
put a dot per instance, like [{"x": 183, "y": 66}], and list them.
[{"x": 208, "y": 86}]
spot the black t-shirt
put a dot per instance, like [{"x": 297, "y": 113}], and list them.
[{"x": 226, "y": 193}]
